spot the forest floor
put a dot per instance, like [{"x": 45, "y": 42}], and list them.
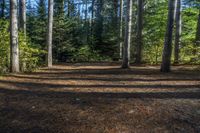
[{"x": 101, "y": 98}]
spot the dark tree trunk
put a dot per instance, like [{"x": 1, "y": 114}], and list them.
[
  {"x": 167, "y": 50},
  {"x": 22, "y": 16},
  {"x": 127, "y": 41},
  {"x": 139, "y": 40},
  {"x": 121, "y": 29},
  {"x": 99, "y": 26},
  {"x": 178, "y": 32},
  {"x": 49, "y": 32},
  {"x": 14, "y": 47}
]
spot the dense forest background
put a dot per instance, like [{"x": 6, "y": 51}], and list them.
[{"x": 89, "y": 30}]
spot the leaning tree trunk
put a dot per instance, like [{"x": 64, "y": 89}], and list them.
[
  {"x": 178, "y": 32},
  {"x": 49, "y": 33},
  {"x": 22, "y": 14},
  {"x": 121, "y": 29},
  {"x": 14, "y": 47},
  {"x": 3, "y": 5},
  {"x": 167, "y": 50},
  {"x": 127, "y": 41},
  {"x": 139, "y": 40}
]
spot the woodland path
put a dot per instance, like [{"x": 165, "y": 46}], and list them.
[{"x": 101, "y": 98}]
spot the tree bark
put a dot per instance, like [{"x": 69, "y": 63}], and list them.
[
  {"x": 14, "y": 47},
  {"x": 22, "y": 14},
  {"x": 49, "y": 32},
  {"x": 99, "y": 25},
  {"x": 198, "y": 31},
  {"x": 3, "y": 5},
  {"x": 127, "y": 41},
  {"x": 121, "y": 29},
  {"x": 139, "y": 41},
  {"x": 178, "y": 32},
  {"x": 167, "y": 50}
]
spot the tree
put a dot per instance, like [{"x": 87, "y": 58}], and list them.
[
  {"x": 178, "y": 31},
  {"x": 121, "y": 28},
  {"x": 127, "y": 41},
  {"x": 198, "y": 31},
  {"x": 167, "y": 50},
  {"x": 139, "y": 39},
  {"x": 49, "y": 32},
  {"x": 22, "y": 14},
  {"x": 14, "y": 47},
  {"x": 99, "y": 23}
]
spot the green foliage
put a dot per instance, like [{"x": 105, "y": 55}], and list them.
[
  {"x": 29, "y": 55},
  {"x": 86, "y": 54},
  {"x": 4, "y": 46}
]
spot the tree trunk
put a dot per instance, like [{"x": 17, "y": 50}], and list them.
[
  {"x": 121, "y": 29},
  {"x": 99, "y": 25},
  {"x": 14, "y": 47},
  {"x": 3, "y": 5},
  {"x": 178, "y": 32},
  {"x": 139, "y": 41},
  {"x": 198, "y": 31},
  {"x": 22, "y": 14},
  {"x": 127, "y": 41},
  {"x": 167, "y": 50},
  {"x": 49, "y": 32}
]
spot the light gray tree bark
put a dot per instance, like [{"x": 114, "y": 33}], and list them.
[
  {"x": 139, "y": 41},
  {"x": 14, "y": 47},
  {"x": 127, "y": 41},
  {"x": 167, "y": 50},
  {"x": 22, "y": 14},
  {"x": 49, "y": 32},
  {"x": 121, "y": 29},
  {"x": 178, "y": 22},
  {"x": 198, "y": 31}
]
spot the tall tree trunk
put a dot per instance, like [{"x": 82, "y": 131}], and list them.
[
  {"x": 198, "y": 31},
  {"x": 99, "y": 25},
  {"x": 22, "y": 14},
  {"x": 139, "y": 40},
  {"x": 14, "y": 47},
  {"x": 86, "y": 21},
  {"x": 3, "y": 6},
  {"x": 127, "y": 41},
  {"x": 167, "y": 50},
  {"x": 178, "y": 32},
  {"x": 68, "y": 8},
  {"x": 92, "y": 19},
  {"x": 49, "y": 33},
  {"x": 121, "y": 29}
]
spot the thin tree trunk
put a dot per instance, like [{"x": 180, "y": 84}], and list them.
[
  {"x": 167, "y": 50},
  {"x": 86, "y": 21},
  {"x": 127, "y": 41},
  {"x": 99, "y": 25},
  {"x": 22, "y": 14},
  {"x": 178, "y": 32},
  {"x": 3, "y": 5},
  {"x": 198, "y": 31},
  {"x": 49, "y": 33},
  {"x": 14, "y": 47},
  {"x": 139, "y": 39},
  {"x": 121, "y": 29}
]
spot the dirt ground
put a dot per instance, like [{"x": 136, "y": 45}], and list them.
[{"x": 101, "y": 98}]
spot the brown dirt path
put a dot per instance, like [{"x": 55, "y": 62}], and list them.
[{"x": 101, "y": 98}]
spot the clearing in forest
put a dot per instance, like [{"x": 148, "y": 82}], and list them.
[{"x": 101, "y": 98}]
